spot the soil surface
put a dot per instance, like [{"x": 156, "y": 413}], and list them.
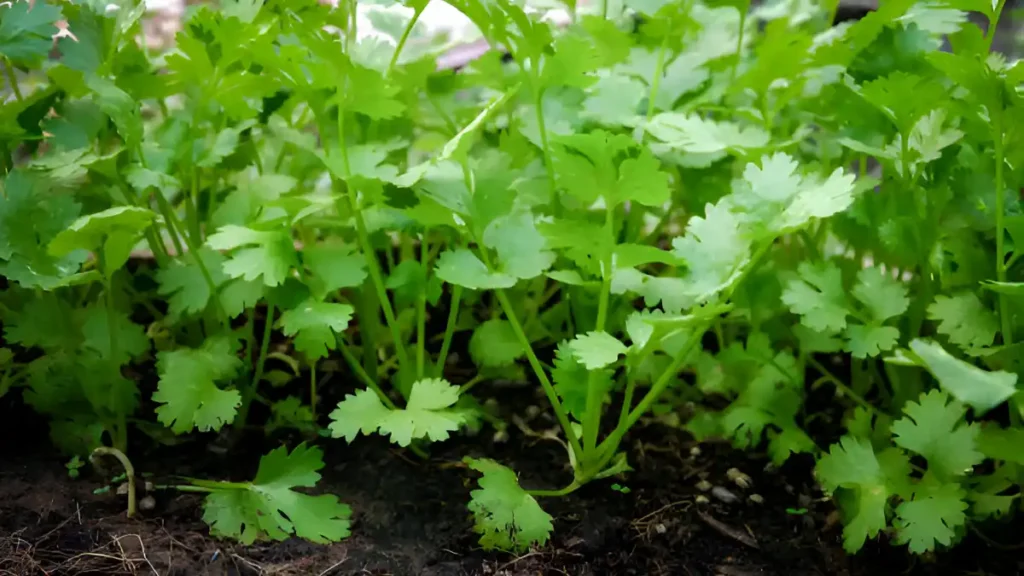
[{"x": 410, "y": 514}]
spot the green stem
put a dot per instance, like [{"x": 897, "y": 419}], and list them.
[
  {"x": 538, "y": 370},
  {"x": 659, "y": 71},
  {"x": 360, "y": 373},
  {"x": 11, "y": 78},
  {"x": 449, "y": 330},
  {"x": 592, "y": 413},
  {"x": 739, "y": 39},
  {"x": 556, "y": 203},
  {"x": 247, "y": 394},
  {"x": 192, "y": 210},
  {"x": 1004, "y": 313},
  {"x": 312, "y": 389},
  {"x": 470, "y": 384},
  {"x": 170, "y": 219},
  {"x": 560, "y": 492},
  {"x": 421, "y": 308},
  {"x": 368, "y": 253},
  {"x": 405, "y": 37},
  {"x": 993, "y": 24},
  {"x": 129, "y": 471}
]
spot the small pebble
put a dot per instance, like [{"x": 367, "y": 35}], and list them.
[
  {"x": 704, "y": 485},
  {"x": 532, "y": 411},
  {"x": 695, "y": 451},
  {"x": 147, "y": 503},
  {"x": 756, "y": 498},
  {"x": 149, "y": 486},
  {"x": 122, "y": 490},
  {"x": 701, "y": 499},
  {"x": 660, "y": 528},
  {"x": 739, "y": 478},
  {"x": 500, "y": 437},
  {"x": 724, "y": 495}
]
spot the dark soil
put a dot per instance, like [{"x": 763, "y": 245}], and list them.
[{"x": 410, "y": 515}]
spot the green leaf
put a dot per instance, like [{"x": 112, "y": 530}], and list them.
[
  {"x": 506, "y": 516},
  {"x": 237, "y": 296},
  {"x": 315, "y": 326},
  {"x": 334, "y": 266},
  {"x": 979, "y": 389},
  {"x": 270, "y": 508},
  {"x": 114, "y": 231},
  {"x": 521, "y": 248},
  {"x": 870, "y": 341},
  {"x": 641, "y": 180},
  {"x": 462, "y": 268},
  {"x": 187, "y": 391},
  {"x": 696, "y": 135},
  {"x": 852, "y": 465},
  {"x": 184, "y": 283},
  {"x": 931, "y": 518},
  {"x": 934, "y": 427},
  {"x": 257, "y": 254},
  {"x": 428, "y": 414},
  {"x": 572, "y": 380},
  {"x": 121, "y": 108},
  {"x": 597, "y": 349},
  {"x": 965, "y": 320},
  {"x": 130, "y": 338},
  {"x": 26, "y": 31},
  {"x": 715, "y": 253},
  {"x": 818, "y": 297},
  {"x": 359, "y": 412},
  {"x": 884, "y": 296},
  {"x": 494, "y": 343}
]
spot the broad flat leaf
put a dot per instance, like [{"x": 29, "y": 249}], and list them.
[
  {"x": 521, "y": 248},
  {"x": 934, "y": 427},
  {"x": 597, "y": 349},
  {"x": 869, "y": 341},
  {"x": 130, "y": 338},
  {"x": 269, "y": 507},
  {"x": 462, "y": 268},
  {"x": 641, "y": 180},
  {"x": 818, "y": 297},
  {"x": 114, "y": 231},
  {"x": 26, "y": 31},
  {"x": 979, "y": 389},
  {"x": 494, "y": 343},
  {"x": 715, "y": 252},
  {"x": 506, "y": 517},
  {"x": 931, "y": 518},
  {"x": 965, "y": 320},
  {"x": 269, "y": 256},
  {"x": 696, "y": 135},
  {"x": 185, "y": 284},
  {"x": 315, "y": 325},
  {"x": 117, "y": 104},
  {"x": 334, "y": 266},
  {"x": 359, "y": 412},
  {"x": 427, "y": 414},
  {"x": 237, "y": 296},
  {"x": 187, "y": 391},
  {"x": 883, "y": 295}
]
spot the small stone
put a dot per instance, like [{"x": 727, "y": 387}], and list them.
[
  {"x": 532, "y": 411},
  {"x": 149, "y": 486},
  {"x": 704, "y": 485},
  {"x": 756, "y": 498},
  {"x": 147, "y": 503},
  {"x": 695, "y": 451},
  {"x": 739, "y": 478},
  {"x": 500, "y": 437},
  {"x": 660, "y": 528},
  {"x": 701, "y": 499},
  {"x": 724, "y": 495},
  {"x": 122, "y": 490}
]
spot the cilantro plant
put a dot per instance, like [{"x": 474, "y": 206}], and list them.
[{"x": 662, "y": 202}]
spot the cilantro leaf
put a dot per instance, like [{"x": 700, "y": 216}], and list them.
[
  {"x": 965, "y": 320},
  {"x": 641, "y": 180},
  {"x": 462, "y": 268},
  {"x": 520, "y": 246},
  {"x": 238, "y": 295},
  {"x": 269, "y": 507},
  {"x": 130, "y": 337},
  {"x": 696, "y": 135},
  {"x": 113, "y": 231},
  {"x": 428, "y": 414},
  {"x": 869, "y": 341},
  {"x": 714, "y": 251},
  {"x": 883, "y": 295},
  {"x": 334, "y": 266},
  {"x": 187, "y": 391},
  {"x": 931, "y": 517},
  {"x": 597, "y": 349},
  {"x": 506, "y": 516},
  {"x": 26, "y": 31},
  {"x": 257, "y": 254},
  {"x": 494, "y": 343},
  {"x": 184, "y": 283},
  {"x": 818, "y": 296},
  {"x": 853, "y": 465},
  {"x": 933, "y": 427},
  {"x": 315, "y": 325}
]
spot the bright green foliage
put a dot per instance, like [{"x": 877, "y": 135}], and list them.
[
  {"x": 964, "y": 320},
  {"x": 269, "y": 507},
  {"x": 188, "y": 393},
  {"x": 316, "y": 325},
  {"x": 185, "y": 285},
  {"x": 257, "y": 255},
  {"x": 26, "y": 31},
  {"x": 979, "y": 389},
  {"x": 934, "y": 429},
  {"x": 931, "y": 518},
  {"x": 494, "y": 343},
  {"x": 428, "y": 414},
  {"x": 597, "y": 349},
  {"x": 505, "y": 515}
]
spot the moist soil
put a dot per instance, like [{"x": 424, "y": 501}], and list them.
[{"x": 410, "y": 517}]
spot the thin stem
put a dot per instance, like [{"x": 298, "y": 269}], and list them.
[
  {"x": 405, "y": 37},
  {"x": 592, "y": 413},
  {"x": 739, "y": 39},
  {"x": 268, "y": 329},
  {"x": 312, "y": 389},
  {"x": 129, "y": 471},
  {"x": 449, "y": 329},
  {"x": 470, "y": 384},
  {"x": 842, "y": 387},
  {"x": 993, "y": 24},
  {"x": 556, "y": 203},
  {"x": 538, "y": 370},
  {"x": 1004, "y": 313},
  {"x": 11, "y": 78},
  {"x": 560, "y": 492},
  {"x": 659, "y": 71},
  {"x": 627, "y": 399},
  {"x": 421, "y": 308},
  {"x": 360, "y": 373},
  {"x": 170, "y": 219}
]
